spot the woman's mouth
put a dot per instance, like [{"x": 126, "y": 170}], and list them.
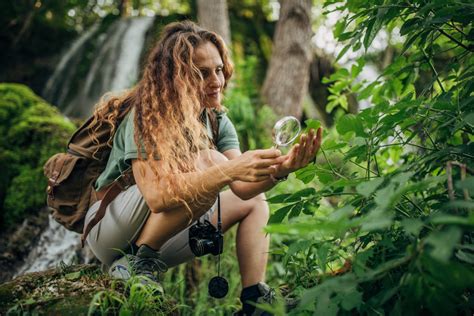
[{"x": 213, "y": 94}]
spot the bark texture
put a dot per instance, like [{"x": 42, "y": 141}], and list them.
[
  {"x": 214, "y": 16},
  {"x": 324, "y": 66},
  {"x": 286, "y": 81},
  {"x": 321, "y": 66}
]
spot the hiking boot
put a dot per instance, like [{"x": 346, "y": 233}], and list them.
[
  {"x": 266, "y": 296},
  {"x": 145, "y": 263}
]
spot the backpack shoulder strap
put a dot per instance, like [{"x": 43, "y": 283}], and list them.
[{"x": 122, "y": 183}]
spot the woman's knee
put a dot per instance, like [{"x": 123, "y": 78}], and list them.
[{"x": 259, "y": 204}]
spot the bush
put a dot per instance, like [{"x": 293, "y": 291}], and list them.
[
  {"x": 34, "y": 131},
  {"x": 390, "y": 230}
]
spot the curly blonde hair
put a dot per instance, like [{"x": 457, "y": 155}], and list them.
[{"x": 168, "y": 100}]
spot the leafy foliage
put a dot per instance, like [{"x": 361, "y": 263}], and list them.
[
  {"x": 33, "y": 131},
  {"x": 252, "y": 122},
  {"x": 390, "y": 231}
]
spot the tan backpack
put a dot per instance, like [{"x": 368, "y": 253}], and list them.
[{"x": 72, "y": 175}]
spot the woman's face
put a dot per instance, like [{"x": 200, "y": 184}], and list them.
[{"x": 208, "y": 60}]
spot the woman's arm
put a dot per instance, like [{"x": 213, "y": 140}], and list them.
[
  {"x": 253, "y": 166},
  {"x": 247, "y": 190},
  {"x": 299, "y": 156}
]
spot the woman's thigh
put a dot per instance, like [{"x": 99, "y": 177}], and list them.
[{"x": 120, "y": 226}]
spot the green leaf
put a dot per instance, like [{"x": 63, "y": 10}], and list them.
[
  {"x": 343, "y": 52},
  {"x": 73, "y": 276},
  {"x": 314, "y": 124},
  {"x": 409, "y": 42},
  {"x": 295, "y": 248},
  {"x": 351, "y": 300},
  {"x": 367, "y": 91},
  {"x": 376, "y": 219},
  {"x": 409, "y": 25},
  {"x": 323, "y": 251},
  {"x": 324, "y": 176},
  {"x": 342, "y": 213},
  {"x": 280, "y": 198},
  {"x": 412, "y": 225},
  {"x": 306, "y": 174},
  {"x": 331, "y": 144},
  {"x": 296, "y": 210},
  {"x": 339, "y": 28},
  {"x": 447, "y": 219},
  {"x": 469, "y": 119},
  {"x": 367, "y": 188},
  {"x": 350, "y": 123},
  {"x": 373, "y": 28},
  {"x": 301, "y": 193},
  {"x": 443, "y": 243},
  {"x": 357, "y": 68},
  {"x": 280, "y": 214}
]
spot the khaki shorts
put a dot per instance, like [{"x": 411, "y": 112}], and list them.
[{"x": 121, "y": 226}]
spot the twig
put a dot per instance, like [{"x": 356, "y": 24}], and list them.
[
  {"x": 449, "y": 173},
  {"x": 455, "y": 40},
  {"x": 433, "y": 68}
]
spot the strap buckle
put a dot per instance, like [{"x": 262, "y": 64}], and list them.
[{"x": 125, "y": 180}]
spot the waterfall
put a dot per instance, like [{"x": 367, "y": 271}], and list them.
[
  {"x": 55, "y": 244},
  {"x": 115, "y": 67},
  {"x": 58, "y": 85}
]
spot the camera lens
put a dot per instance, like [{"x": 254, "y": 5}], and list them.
[{"x": 201, "y": 247}]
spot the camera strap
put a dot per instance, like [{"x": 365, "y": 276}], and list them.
[
  {"x": 218, "y": 286},
  {"x": 219, "y": 230}
]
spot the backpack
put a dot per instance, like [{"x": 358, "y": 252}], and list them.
[{"x": 72, "y": 175}]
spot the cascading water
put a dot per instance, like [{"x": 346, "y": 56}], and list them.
[
  {"x": 58, "y": 85},
  {"x": 115, "y": 68},
  {"x": 55, "y": 244}
]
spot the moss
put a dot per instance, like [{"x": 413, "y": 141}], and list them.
[
  {"x": 70, "y": 290},
  {"x": 35, "y": 130},
  {"x": 55, "y": 291}
]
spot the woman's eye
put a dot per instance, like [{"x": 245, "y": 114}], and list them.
[{"x": 204, "y": 73}]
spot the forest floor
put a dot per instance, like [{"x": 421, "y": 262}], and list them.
[{"x": 70, "y": 290}]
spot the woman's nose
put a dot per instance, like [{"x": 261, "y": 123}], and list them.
[{"x": 214, "y": 81}]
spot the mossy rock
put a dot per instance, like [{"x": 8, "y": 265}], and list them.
[
  {"x": 56, "y": 291},
  {"x": 80, "y": 290},
  {"x": 34, "y": 130}
]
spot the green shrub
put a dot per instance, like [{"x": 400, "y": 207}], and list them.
[
  {"x": 252, "y": 120},
  {"x": 389, "y": 231},
  {"x": 34, "y": 131}
]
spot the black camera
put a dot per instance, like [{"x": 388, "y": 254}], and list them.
[{"x": 204, "y": 238}]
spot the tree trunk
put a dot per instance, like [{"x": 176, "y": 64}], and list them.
[
  {"x": 321, "y": 66},
  {"x": 124, "y": 8},
  {"x": 214, "y": 16},
  {"x": 287, "y": 77}
]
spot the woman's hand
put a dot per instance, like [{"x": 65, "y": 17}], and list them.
[
  {"x": 255, "y": 165},
  {"x": 300, "y": 154}
]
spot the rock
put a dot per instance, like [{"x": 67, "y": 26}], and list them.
[
  {"x": 17, "y": 242},
  {"x": 74, "y": 290}
]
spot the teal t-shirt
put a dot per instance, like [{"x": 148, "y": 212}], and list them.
[{"x": 124, "y": 148}]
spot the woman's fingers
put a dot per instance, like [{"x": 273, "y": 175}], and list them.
[
  {"x": 268, "y": 153},
  {"x": 309, "y": 146},
  {"x": 309, "y": 150}
]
